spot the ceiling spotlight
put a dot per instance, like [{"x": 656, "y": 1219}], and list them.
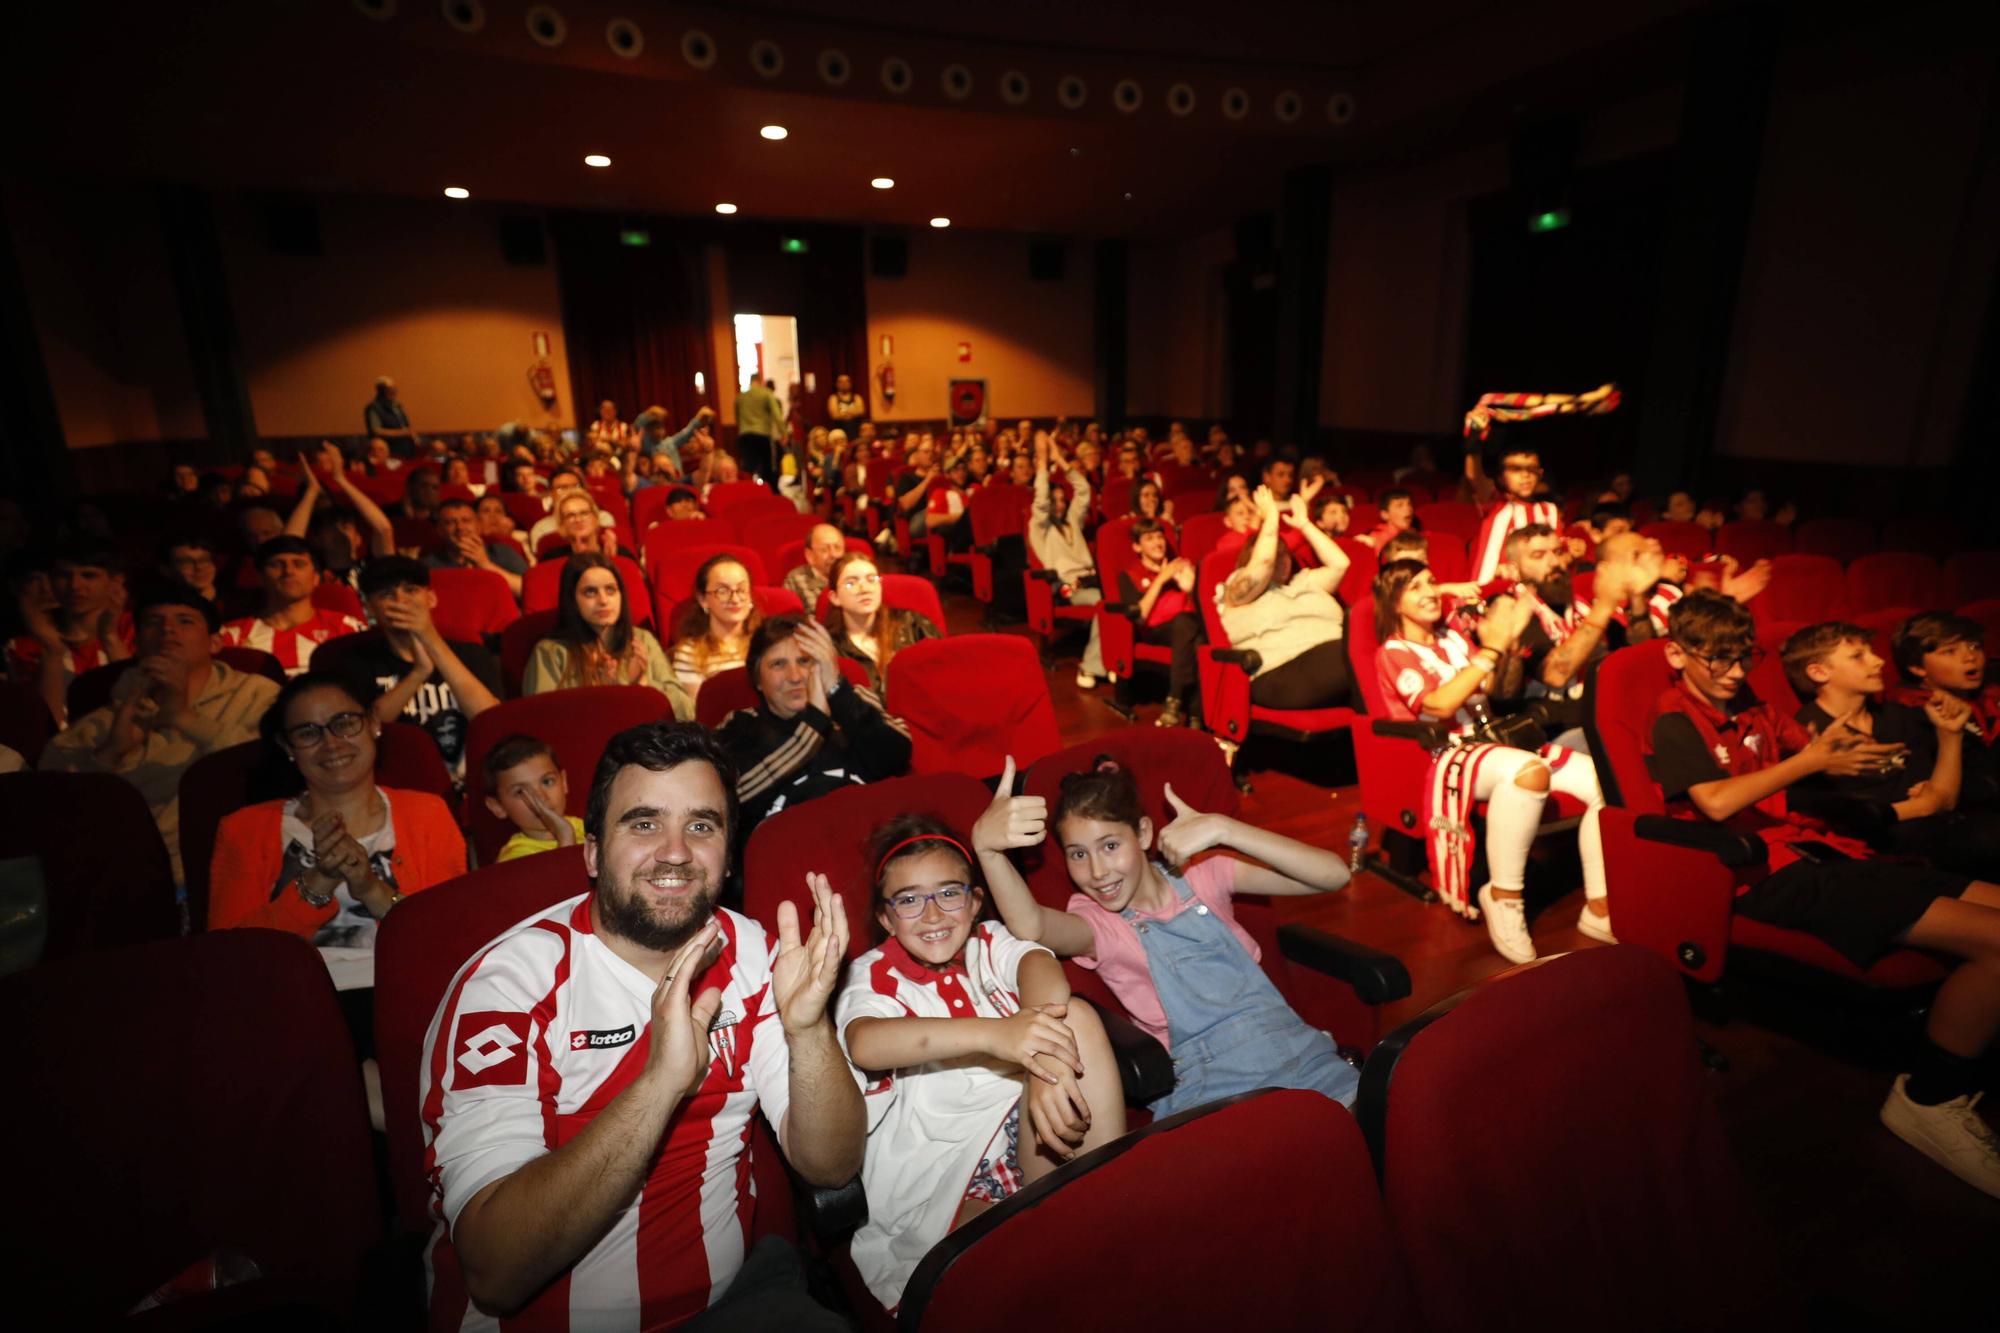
[
  {"x": 883, "y": 183},
  {"x": 774, "y": 132},
  {"x": 596, "y": 160},
  {"x": 725, "y": 209},
  {"x": 940, "y": 222},
  {"x": 457, "y": 192}
]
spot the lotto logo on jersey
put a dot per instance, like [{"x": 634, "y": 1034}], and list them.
[
  {"x": 491, "y": 1050},
  {"x": 600, "y": 1040}
]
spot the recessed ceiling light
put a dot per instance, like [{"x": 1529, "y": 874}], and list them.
[
  {"x": 457, "y": 192},
  {"x": 774, "y": 132},
  {"x": 940, "y": 222},
  {"x": 596, "y": 160},
  {"x": 883, "y": 183},
  {"x": 725, "y": 209}
]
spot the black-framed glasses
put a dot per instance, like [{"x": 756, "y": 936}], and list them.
[
  {"x": 1723, "y": 663},
  {"x": 307, "y": 735},
  {"x": 909, "y": 904}
]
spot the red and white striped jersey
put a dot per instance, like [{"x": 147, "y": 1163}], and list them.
[
  {"x": 537, "y": 1033},
  {"x": 293, "y": 645},
  {"x": 1503, "y": 518},
  {"x": 1409, "y": 671},
  {"x": 1661, "y": 604}
]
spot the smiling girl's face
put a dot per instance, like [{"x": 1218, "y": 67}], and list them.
[
  {"x": 1106, "y": 859},
  {"x": 936, "y": 932}
]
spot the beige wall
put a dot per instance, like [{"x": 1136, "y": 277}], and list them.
[
  {"x": 1031, "y": 341},
  {"x": 94, "y": 262},
  {"x": 1177, "y": 327},
  {"x": 413, "y": 289}
]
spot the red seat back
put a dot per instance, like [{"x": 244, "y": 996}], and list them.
[
  {"x": 904, "y": 592},
  {"x": 418, "y": 534},
  {"x": 1969, "y": 576},
  {"x": 729, "y": 496},
  {"x": 417, "y": 953},
  {"x": 1292, "y": 1160},
  {"x": 792, "y": 554},
  {"x": 999, "y": 510},
  {"x": 575, "y": 723},
  {"x": 673, "y": 535},
  {"x": 472, "y": 604},
  {"x": 1753, "y": 539},
  {"x": 1891, "y": 578},
  {"x": 1624, "y": 689},
  {"x": 673, "y": 573},
  {"x": 517, "y": 645},
  {"x": 1987, "y": 613},
  {"x": 105, "y": 870},
  {"x": 1679, "y": 538},
  {"x": 972, "y": 700},
  {"x": 1200, "y": 534},
  {"x": 1449, "y": 561},
  {"x": 1616, "y": 1246},
  {"x": 1841, "y": 539},
  {"x": 771, "y": 534},
  {"x": 525, "y": 510},
  {"x": 543, "y": 586},
  {"x": 726, "y": 691},
  {"x": 1453, "y": 516},
  {"x": 1116, "y": 497},
  {"x": 231, "y": 1042},
  {"x": 1882, "y": 626},
  {"x": 670, "y": 615},
  {"x": 829, "y": 836},
  {"x": 1803, "y": 588},
  {"x": 1931, "y": 535}
]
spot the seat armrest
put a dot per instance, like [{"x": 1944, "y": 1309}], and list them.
[
  {"x": 1248, "y": 658},
  {"x": 1731, "y": 848},
  {"x": 1377, "y": 977},
  {"x": 833, "y": 1213},
  {"x": 1124, "y": 609},
  {"x": 1045, "y": 575},
  {"x": 1144, "y": 1068},
  {"x": 1430, "y": 735}
]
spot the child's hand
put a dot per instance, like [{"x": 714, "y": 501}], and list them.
[
  {"x": 552, "y": 819},
  {"x": 1011, "y": 821},
  {"x": 1846, "y": 752},
  {"x": 1039, "y": 1031},
  {"x": 1057, "y": 1111},
  {"x": 1191, "y": 832},
  {"x": 1947, "y": 712}
]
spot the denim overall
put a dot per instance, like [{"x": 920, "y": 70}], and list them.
[{"x": 1229, "y": 1028}]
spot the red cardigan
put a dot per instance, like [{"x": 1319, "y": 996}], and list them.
[{"x": 250, "y": 853}]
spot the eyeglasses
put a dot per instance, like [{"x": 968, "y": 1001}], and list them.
[
  {"x": 1723, "y": 663},
  {"x": 1522, "y": 467},
  {"x": 853, "y": 581},
  {"x": 308, "y": 735},
  {"x": 951, "y": 898},
  {"x": 737, "y": 593}
]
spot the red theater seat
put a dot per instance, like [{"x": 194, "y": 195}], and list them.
[
  {"x": 1226, "y": 671},
  {"x": 674, "y": 570},
  {"x": 175, "y": 1104},
  {"x": 1677, "y": 538},
  {"x": 575, "y": 723},
  {"x": 1584, "y": 1058},
  {"x": 1969, "y": 576},
  {"x": 1454, "y": 516},
  {"x": 784, "y": 559},
  {"x": 1804, "y": 588},
  {"x": 904, "y": 592},
  {"x": 1202, "y": 533},
  {"x": 670, "y": 616},
  {"x": 1118, "y": 624},
  {"x": 473, "y": 605},
  {"x": 726, "y": 691},
  {"x": 525, "y": 510},
  {"x": 1987, "y": 613},
  {"x": 725, "y": 498},
  {"x": 106, "y": 879},
  {"x": 1928, "y": 534},
  {"x": 1841, "y": 539},
  {"x": 995, "y": 511},
  {"x": 1891, "y": 578},
  {"x": 543, "y": 585},
  {"x": 1753, "y": 539},
  {"x": 771, "y": 534},
  {"x": 972, "y": 700},
  {"x": 517, "y": 645}
]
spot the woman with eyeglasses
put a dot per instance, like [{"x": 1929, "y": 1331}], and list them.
[
  {"x": 865, "y": 627},
  {"x": 714, "y": 633},
  {"x": 328, "y": 864},
  {"x": 1427, "y": 670},
  {"x": 595, "y": 641},
  {"x": 813, "y": 730}
]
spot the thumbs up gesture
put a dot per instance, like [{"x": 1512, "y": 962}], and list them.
[
  {"x": 1191, "y": 832},
  {"x": 1011, "y": 821}
]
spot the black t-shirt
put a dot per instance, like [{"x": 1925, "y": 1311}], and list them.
[
  {"x": 434, "y": 707},
  {"x": 1863, "y": 804}
]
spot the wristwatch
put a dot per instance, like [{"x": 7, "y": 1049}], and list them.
[{"x": 307, "y": 894}]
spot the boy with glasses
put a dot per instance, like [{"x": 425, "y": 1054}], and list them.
[
  {"x": 1720, "y": 753},
  {"x": 1515, "y": 506}
]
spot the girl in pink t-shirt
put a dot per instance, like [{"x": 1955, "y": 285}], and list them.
[{"x": 1165, "y": 939}]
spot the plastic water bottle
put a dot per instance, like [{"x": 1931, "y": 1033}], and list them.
[{"x": 1357, "y": 844}]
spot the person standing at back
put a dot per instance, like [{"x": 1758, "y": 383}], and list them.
[
  {"x": 760, "y": 422},
  {"x": 385, "y": 419}
]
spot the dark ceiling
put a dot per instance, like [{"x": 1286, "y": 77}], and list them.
[{"x": 398, "y": 97}]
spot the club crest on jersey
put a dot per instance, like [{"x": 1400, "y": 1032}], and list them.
[
  {"x": 1722, "y": 754},
  {"x": 586, "y": 1040},
  {"x": 1753, "y": 742},
  {"x": 491, "y": 1050},
  {"x": 722, "y": 1042}
]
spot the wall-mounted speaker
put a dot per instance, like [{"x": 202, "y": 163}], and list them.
[
  {"x": 1046, "y": 260},
  {"x": 522, "y": 242},
  {"x": 888, "y": 257},
  {"x": 291, "y": 226}
]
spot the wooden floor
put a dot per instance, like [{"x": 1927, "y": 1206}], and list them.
[{"x": 1859, "y": 1230}]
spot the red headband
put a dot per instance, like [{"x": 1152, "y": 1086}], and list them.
[{"x": 957, "y": 846}]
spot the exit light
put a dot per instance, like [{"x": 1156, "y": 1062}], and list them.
[
  {"x": 635, "y": 237},
  {"x": 792, "y": 245},
  {"x": 1553, "y": 220}
]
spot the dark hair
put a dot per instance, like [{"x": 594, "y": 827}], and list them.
[
  {"x": 196, "y": 541},
  {"x": 1105, "y": 791},
  {"x": 1527, "y": 532},
  {"x": 284, "y": 545},
  {"x": 1928, "y": 632},
  {"x": 518, "y": 748},
  {"x": 658, "y": 747},
  {"x": 392, "y": 571},
  {"x": 1812, "y": 644},
  {"x": 84, "y": 553},
  {"x": 935, "y": 835},
  {"x": 1409, "y": 539},
  {"x": 1159, "y": 493},
  {"x": 1606, "y": 510},
  {"x": 1391, "y": 582},
  {"x": 571, "y": 628},
  {"x": 1706, "y": 620},
  {"x": 768, "y": 632},
  {"x": 1144, "y": 527},
  {"x": 173, "y": 592},
  {"x": 571, "y": 469},
  {"x": 272, "y": 724},
  {"x": 1392, "y": 494},
  {"x": 457, "y": 502},
  {"x": 694, "y": 627},
  {"x": 678, "y": 493}
]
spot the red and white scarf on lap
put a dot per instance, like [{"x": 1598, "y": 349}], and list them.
[{"x": 1447, "y": 818}]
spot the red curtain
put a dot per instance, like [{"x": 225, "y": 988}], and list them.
[{"x": 635, "y": 317}]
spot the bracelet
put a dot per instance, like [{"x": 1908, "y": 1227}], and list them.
[{"x": 307, "y": 894}]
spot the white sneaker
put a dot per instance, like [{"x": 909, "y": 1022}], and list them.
[
  {"x": 1507, "y": 926},
  {"x": 1952, "y": 1134},
  {"x": 1085, "y": 681},
  {"x": 1595, "y": 926}
]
